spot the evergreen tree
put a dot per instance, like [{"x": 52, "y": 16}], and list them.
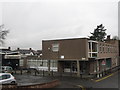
[
  {"x": 115, "y": 38},
  {"x": 99, "y": 33}
]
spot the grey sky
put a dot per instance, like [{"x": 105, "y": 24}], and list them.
[{"x": 32, "y": 22}]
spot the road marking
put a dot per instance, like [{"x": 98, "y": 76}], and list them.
[
  {"x": 104, "y": 78},
  {"x": 83, "y": 88}
]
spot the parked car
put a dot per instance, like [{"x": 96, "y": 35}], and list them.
[
  {"x": 7, "y": 69},
  {"x": 7, "y": 78}
]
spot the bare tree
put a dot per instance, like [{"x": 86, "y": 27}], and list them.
[{"x": 3, "y": 33}]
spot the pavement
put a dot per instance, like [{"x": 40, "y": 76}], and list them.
[{"x": 31, "y": 79}]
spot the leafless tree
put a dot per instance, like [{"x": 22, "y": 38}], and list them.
[{"x": 3, "y": 33}]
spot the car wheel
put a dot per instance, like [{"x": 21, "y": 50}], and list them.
[{"x": 13, "y": 82}]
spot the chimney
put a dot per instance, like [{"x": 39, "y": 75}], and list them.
[
  {"x": 30, "y": 49},
  {"x": 18, "y": 48},
  {"x": 108, "y": 37},
  {"x": 9, "y": 48}
]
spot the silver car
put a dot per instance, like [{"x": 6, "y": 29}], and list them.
[{"x": 7, "y": 78}]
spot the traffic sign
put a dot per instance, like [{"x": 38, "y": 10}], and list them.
[{"x": 103, "y": 62}]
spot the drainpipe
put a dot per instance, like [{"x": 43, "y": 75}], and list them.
[
  {"x": 97, "y": 68},
  {"x": 49, "y": 67},
  {"x": 78, "y": 68}
]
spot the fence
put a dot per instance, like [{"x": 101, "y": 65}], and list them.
[
  {"x": 44, "y": 73},
  {"x": 107, "y": 72}
]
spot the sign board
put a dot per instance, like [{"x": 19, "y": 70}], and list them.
[
  {"x": 103, "y": 62},
  {"x": 83, "y": 58},
  {"x": 62, "y": 56},
  {"x": 12, "y": 56}
]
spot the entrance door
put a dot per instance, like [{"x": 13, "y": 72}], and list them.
[
  {"x": 74, "y": 66},
  {"x": 84, "y": 67},
  {"x": 108, "y": 63}
]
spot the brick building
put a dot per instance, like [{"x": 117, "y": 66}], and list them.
[{"x": 81, "y": 55}]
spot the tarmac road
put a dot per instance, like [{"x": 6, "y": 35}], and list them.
[{"x": 110, "y": 82}]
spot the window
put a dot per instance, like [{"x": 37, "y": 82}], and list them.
[
  {"x": 89, "y": 47},
  {"x": 21, "y": 62},
  {"x": 108, "y": 63},
  {"x": 108, "y": 49},
  {"x": 89, "y": 55},
  {"x": 55, "y": 47},
  {"x": 94, "y": 54},
  {"x": 5, "y": 77},
  {"x": 53, "y": 63},
  {"x": 103, "y": 48},
  {"x": 93, "y": 49},
  {"x": 100, "y": 49}
]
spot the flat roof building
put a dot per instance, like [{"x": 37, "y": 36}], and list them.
[{"x": 82, "y": 55}]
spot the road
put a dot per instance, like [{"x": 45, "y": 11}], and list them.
[{"x": 110, "y": 82}]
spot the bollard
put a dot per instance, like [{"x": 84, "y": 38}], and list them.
[
  {"x": 105, "y": 72},
  {"x": 35, "y": 73},
  {"x": 98, "y": 75},
  {"x": 15, "y": 71},
  {"x": 21, "y": 71},
  {"x": 49, "y": 73},
  {"x": 102, "y": 73},
  {"x": 81, "y": 75},
  {"x": 61, "y": 74},
  {"x": 43, "y": 73},
  {"x": 52, "y": 72},
  {"x": 71, "y": 74}
]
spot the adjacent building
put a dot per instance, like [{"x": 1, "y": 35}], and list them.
[
  {"x": 25, "y": 54},
  {"x": 31, "y": 59},
  {"x": 9, "y": 58},
  {"x": 81, "y": 55}
]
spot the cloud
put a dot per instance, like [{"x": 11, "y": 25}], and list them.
[{"x": 30, "y": 23}]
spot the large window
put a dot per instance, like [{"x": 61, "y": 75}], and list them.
[
  {"x": 93, "y": 49},
  {"x": 55, "y": 47},
  {"x": 53, "y": 63},
  {"x": 21, "y": 62},
  {"x": 89, "y": 44}
]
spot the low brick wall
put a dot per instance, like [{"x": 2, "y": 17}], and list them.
[
  {"x": 51, "y": 84},
  {"x": 43, "y": 85},
  {"x": 8, "y": 86}
]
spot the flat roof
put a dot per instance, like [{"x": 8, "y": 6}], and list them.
[{"x": 71, "y": 38}]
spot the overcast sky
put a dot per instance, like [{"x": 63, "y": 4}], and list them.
[{"x": 31, "y": 22}]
